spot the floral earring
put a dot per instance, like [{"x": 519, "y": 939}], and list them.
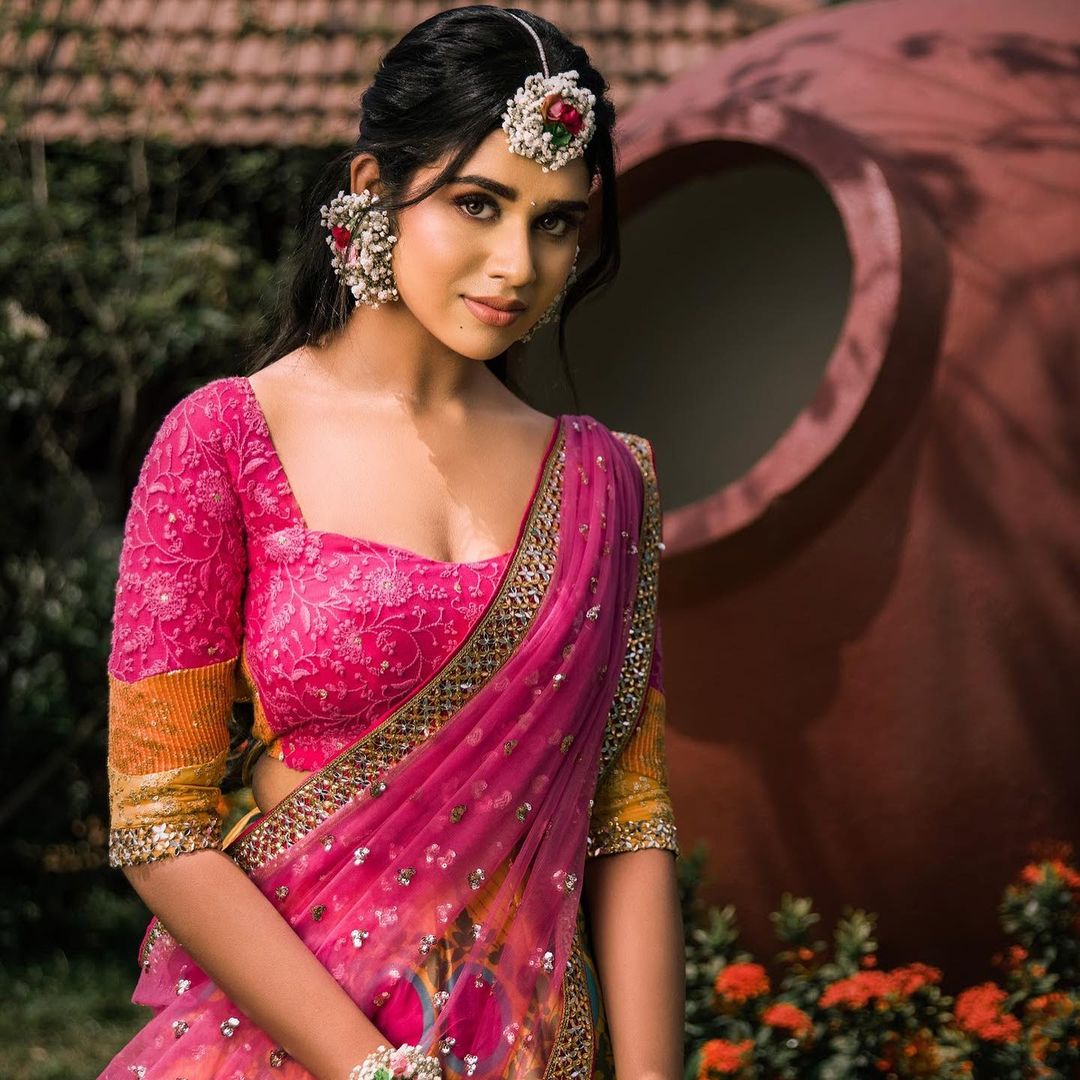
[
  {"x": 554, "y": 305},
  {"x": 362, "y": 263}
]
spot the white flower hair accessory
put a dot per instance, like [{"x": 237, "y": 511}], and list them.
[
  {"x": 550, "y": 119},
  {"x": 361, "y": 261}
]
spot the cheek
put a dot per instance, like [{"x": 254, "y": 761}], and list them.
[{"x": 430, "y": 245}]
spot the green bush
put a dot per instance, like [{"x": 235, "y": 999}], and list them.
[{"x": 129, "y": 274}]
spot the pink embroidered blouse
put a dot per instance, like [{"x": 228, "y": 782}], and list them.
[{"x": 224, "y": 594}]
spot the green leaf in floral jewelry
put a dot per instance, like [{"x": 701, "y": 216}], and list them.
[{"x": 559, "y": 135}]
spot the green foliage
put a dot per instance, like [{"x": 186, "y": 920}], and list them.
[
  {"x": 839, "y": 1018},
  {"x": 129, "y": 274},
  {"x": 47, "y": 1002}
]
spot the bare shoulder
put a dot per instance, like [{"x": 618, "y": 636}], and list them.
[
  {"x": 508, "y": 420},
  {"x": 498, "y": 400},
  {"x": 534, "y": 419},
  {"x": 276, "y": 375}
]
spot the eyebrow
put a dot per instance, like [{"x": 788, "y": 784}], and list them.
[{"x": 510, "y": 193}]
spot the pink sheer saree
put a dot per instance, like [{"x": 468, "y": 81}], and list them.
[{"x": 434, "y": 866}]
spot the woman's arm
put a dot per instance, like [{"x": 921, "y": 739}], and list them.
[
  {"x": 178, "y": 625},
  {"x": 250, "y": 951},
  {"x": 635, "y": 922}
]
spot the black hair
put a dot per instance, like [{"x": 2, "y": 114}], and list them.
[{"x": 442, "y": 88}]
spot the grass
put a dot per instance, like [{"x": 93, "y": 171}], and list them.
[{"x": 65, "y": 1019}]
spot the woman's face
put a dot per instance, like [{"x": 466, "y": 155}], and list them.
[{"x": 508, "y": 233}]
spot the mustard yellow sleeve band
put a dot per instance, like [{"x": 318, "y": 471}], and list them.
[
  {"x": 632, "y": 807},
  {"x": 168, "y": 747}
]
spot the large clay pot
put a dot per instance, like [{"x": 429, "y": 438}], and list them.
[{"x": 847, "y": 318}]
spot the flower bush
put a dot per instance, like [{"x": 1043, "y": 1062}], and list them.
[{"x": 839, "y": 1017}]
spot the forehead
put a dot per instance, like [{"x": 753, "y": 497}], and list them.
[{"x": 494, "y": 159}]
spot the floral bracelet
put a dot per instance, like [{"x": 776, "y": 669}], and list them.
[{"x": 407, "y": 1060}]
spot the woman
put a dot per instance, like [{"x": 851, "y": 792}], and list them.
[{"x": 463, "y": 842}]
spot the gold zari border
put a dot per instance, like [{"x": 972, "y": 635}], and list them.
[
  {"x": 572, "y": 1055},
  {"x": 146, "y": 843},
  {"x": 574, "y": 1050},
  {"x": 655, "y": 831},
  {"x": 629, "y": 697}
]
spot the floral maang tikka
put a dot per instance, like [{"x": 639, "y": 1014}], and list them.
[{"x": 550, "y": 119}]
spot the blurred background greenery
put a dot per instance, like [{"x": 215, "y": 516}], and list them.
[{"x": 131, "y": 273}]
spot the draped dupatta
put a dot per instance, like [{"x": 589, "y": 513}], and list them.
[{"x": 435, "y": 866}]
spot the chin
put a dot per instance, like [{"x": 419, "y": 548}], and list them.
[
  {"x": 481, "y": 346},
  {"x": 474, "y": 350}
]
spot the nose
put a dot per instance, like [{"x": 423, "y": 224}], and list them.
[{"x": 512, "y": 258}]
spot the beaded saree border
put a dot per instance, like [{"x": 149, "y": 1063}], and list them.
[
  {"x": 629, "y": 700},
  {"x": 572, "y": 1056},
  {"x": 494, "y": 638},
  {"x": 575, "y": 1041}
]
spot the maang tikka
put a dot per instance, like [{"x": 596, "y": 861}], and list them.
[{"x": 549, "y": 119}]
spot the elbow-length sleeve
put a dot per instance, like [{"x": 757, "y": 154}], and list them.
[
  {"x": 176, "y": 634},
  {"x": 632, "y": 808}
]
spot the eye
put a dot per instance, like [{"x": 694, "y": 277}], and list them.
[
  {"x": 567, "y": 221},
  {"x": 474, "y": 200},
  {"x": 564, "y": 219}
]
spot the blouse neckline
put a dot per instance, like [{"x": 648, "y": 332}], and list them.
[{"x": 298, "y": 515}]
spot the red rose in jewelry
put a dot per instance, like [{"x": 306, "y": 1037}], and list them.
[
  {"x": 558, "y": 111},
  {"x": 341, "y": 236}
]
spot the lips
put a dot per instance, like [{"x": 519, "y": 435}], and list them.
[
  {"x": 499, "y": 303},
  {"x": 489, "y": 315}
]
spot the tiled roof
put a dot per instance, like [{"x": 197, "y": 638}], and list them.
[{"x": 292, "y": 71}]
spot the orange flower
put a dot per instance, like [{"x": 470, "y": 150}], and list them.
[
  {"x": 856, "y": 991},
  {"x": 978, "y": 1012},
  {"x": 722, "y": 1058},
  {"x": 740, "y": 982},
  {"x": 785, "y": 1015},
  {"x": 911, "y": 977},
  {"x": 1017, "y": 955},
  {"x": 1037, "y": 873},
  {"x": 1050, "y": 1006},
  {"x": 1066, "y": 873}
]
